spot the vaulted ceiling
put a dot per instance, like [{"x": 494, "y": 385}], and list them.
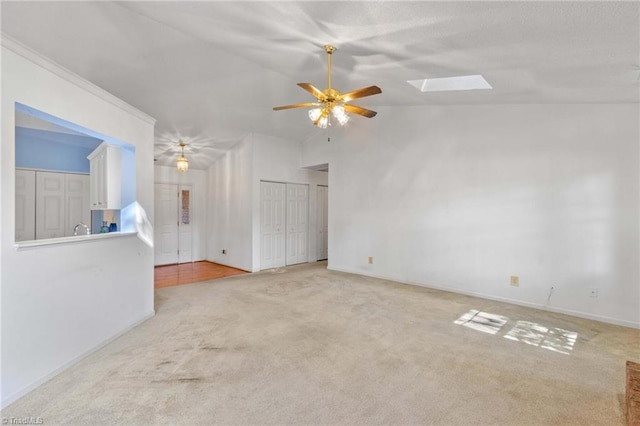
[{"x": 210, "y": 72}]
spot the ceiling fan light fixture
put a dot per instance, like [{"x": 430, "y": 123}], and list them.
[
  {"x": 323, "y": 122},
  {"x": 321, "y": 116},
  {"x": 340, "y": 114},
  {"x": 314, "y": 114},
  {"x": 182, "y": 163}
]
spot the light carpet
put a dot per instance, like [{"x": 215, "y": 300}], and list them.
[{"x": 311, "y": 346}]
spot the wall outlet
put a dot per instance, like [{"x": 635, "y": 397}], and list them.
[
  {"x": 370, "y": 260},
  {"x": 593, "y": 292},
  {"x": 515, "y": 281},
  {"x": 224, "y": 251}
]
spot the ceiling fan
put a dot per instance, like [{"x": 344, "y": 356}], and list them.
[{"x": 331, "y": 102}]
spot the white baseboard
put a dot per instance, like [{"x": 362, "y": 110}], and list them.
[
  {"x": 225, "y": 264},
  {"x": 579, "y": 314},
  {"x": 22, "y": 392}
]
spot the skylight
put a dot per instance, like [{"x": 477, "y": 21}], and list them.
[{"x": 463, "y": 82}]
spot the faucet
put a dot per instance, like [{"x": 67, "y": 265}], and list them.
[{"x": 87, "y": 231}]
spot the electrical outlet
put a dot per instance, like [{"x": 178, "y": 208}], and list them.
[
  {"x": 224, "y": 251},
  {"x": 515, "y": 281},
  {"x": 593, "y": 292},
  {"x": 370, "y": 260}
]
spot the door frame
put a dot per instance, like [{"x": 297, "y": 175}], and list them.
[
  {"x": 318, "y": 242},
  {"x": 179, "y": 187}
]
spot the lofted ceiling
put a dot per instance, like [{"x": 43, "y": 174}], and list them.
[{"x": 210, "y": 72}]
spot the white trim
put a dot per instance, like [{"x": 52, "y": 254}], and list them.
[
  {"x": 229, "y": 266},
  {"x": 22, "y": 245},
  {"x": 25, "y": 390},
  {"x": 579, "y": 314},
  {"x": 46, "y": 63}
]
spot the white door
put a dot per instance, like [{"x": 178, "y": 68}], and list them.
[
  {"x": 184, "y": 228},
  {"x": 272, "y": 228},
  {"x": 50, "y": 221},
  {"x": 323, "y": 219},
  {"x": 25, "y": 205},
  {"x": 166, "y": 224},
  {"x": 77, "y": 202},
  {"x": 297, "y": 224}
]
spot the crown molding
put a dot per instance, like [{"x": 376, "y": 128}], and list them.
[{"x": 46, "y": 63}]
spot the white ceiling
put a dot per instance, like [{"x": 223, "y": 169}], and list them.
[{"x": 210, "y": 72}]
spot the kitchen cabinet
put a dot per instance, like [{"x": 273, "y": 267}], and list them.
[{"x": 105, "y": 175}]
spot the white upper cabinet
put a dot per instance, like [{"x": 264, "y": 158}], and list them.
[{"x": 106, "y": 170}]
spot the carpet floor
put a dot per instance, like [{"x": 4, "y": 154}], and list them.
[{"x": 304, "y": 345}]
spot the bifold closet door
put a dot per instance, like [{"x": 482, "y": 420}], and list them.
[
  {"x": 77, "y": 202},
  {"x": 297, "y": 223},
  {"x": 272, "y": 225},
  {"x": 50, "y": 202},
  {"x": 25, "y": 205}
]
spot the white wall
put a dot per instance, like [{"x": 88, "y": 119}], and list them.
[
  {"x": 198, "y": 181},
  {"x": 229, "y": 207},
  {"x": 60, "y": 302},
  {"x": 463, "y": 197}
]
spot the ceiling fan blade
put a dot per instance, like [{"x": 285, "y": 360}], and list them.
[
  {"x": 311, "y": 89},
  {"x": 359, "y": 110},
  {"x": 307, "y": 104},
  {"x": 361, "y": 93}
]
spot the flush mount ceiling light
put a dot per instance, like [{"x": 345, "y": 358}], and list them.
[
  {"x": 182, "y": 164},
  {"x": 332, "y": 103},
  {"x": 463, "y": 82}
]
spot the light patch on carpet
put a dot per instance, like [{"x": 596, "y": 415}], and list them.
[
  {"x": 482, "y": 321},
  {"x": 553, "y": 339}
]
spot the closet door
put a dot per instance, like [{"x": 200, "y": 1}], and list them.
[
  {"x": 50, "y": 221},
  {"x": 323, "y": 219},
  {"x": 297, "y": 223},
  {"x": 25, "y": 205},
  {"x": 272, "y": 227}
]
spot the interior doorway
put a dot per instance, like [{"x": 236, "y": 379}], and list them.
[
  {"x": 284, "y": 224},
  {"x": 173, "y": 224}
]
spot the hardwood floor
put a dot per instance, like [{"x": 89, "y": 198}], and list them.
[{"x": 186, "y": 273}]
